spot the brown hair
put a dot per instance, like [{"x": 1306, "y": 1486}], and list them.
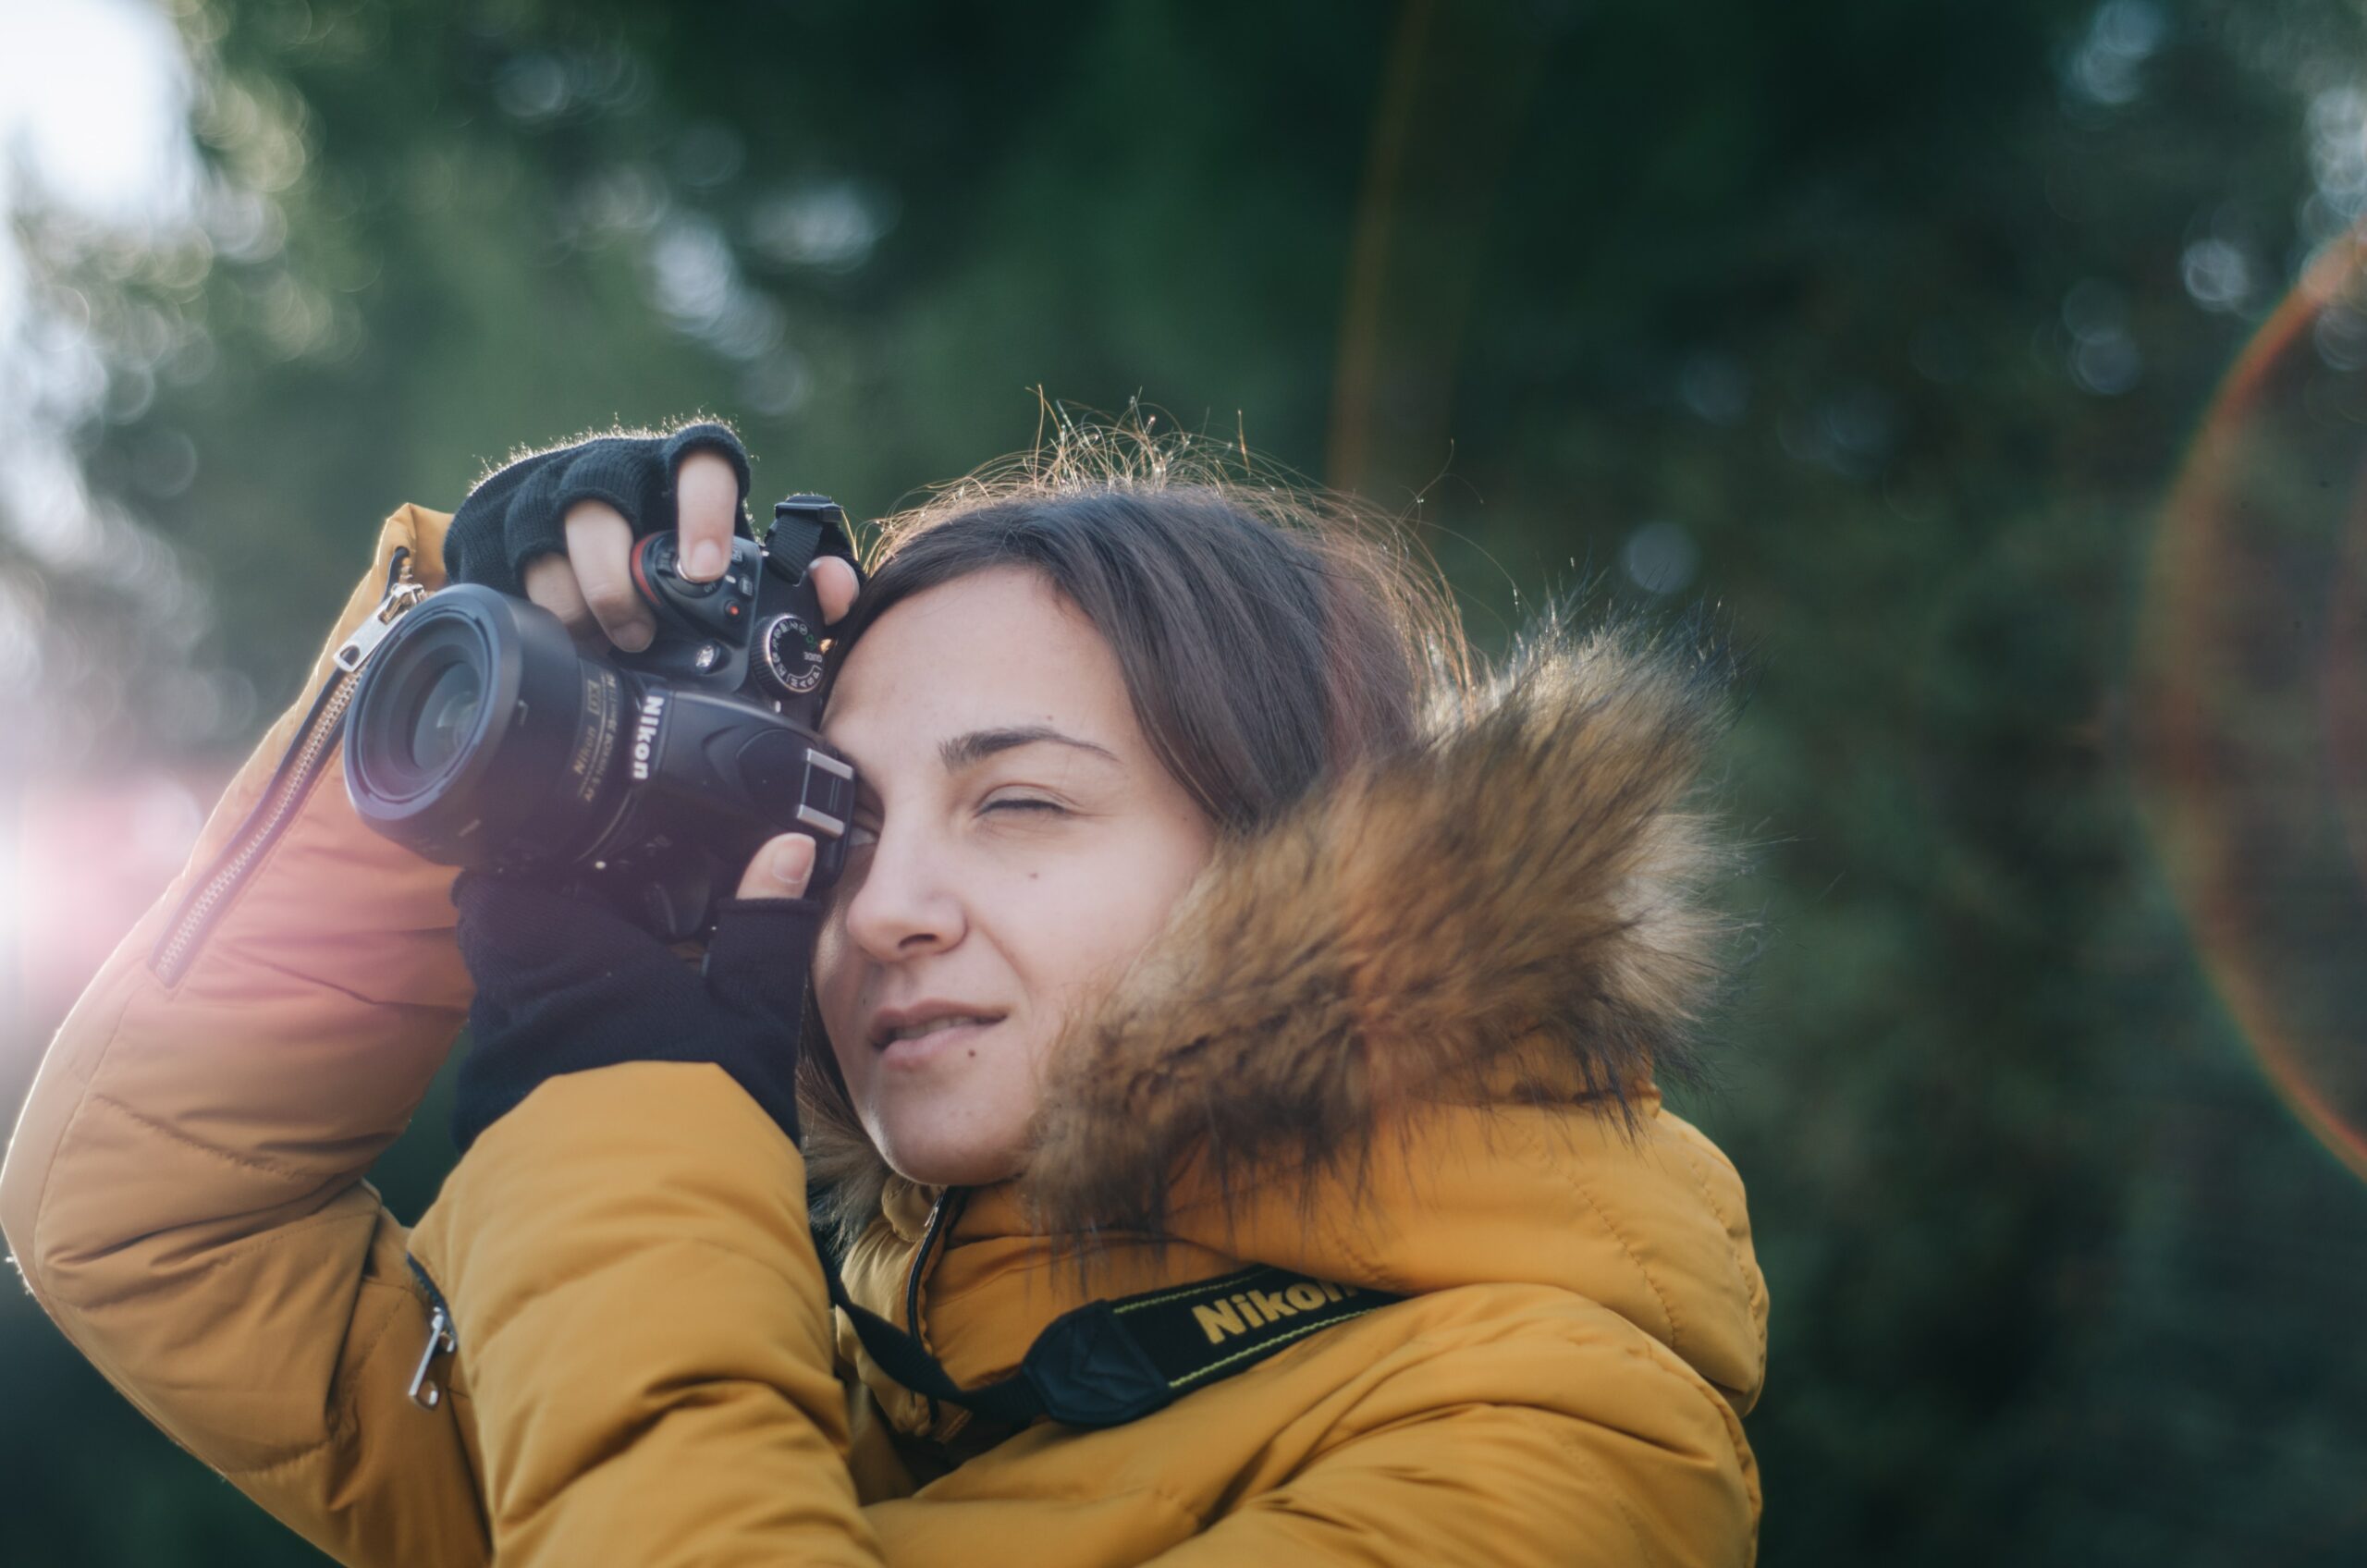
[{"x": 1270, "y": 636}]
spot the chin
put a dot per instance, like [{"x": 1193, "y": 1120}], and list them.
[{"x": 941, "y": 1157}]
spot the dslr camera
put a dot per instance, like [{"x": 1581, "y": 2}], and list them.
[{"x": 480, "y": 735}]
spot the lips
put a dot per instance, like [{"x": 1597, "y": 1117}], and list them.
[
  {"x": 890, "y": 1025},
  {"x": 935, "y": 1027}
]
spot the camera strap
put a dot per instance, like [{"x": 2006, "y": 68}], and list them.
[
  {"x": 807, "y": 527},
  {"x": 1111, "y": 1361}
]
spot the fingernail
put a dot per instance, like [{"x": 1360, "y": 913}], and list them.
[
  {"x": 634, "y": 638},
  {"x": 792, "y": 862},
  {"x": 706, "y": 561}
]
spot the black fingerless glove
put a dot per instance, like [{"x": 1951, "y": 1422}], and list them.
[
  {"x": 520, "y": 512},
  {"x": 566, "y": 986}
]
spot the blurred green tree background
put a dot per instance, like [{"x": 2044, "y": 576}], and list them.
[{"x": 1883, "y": 327}]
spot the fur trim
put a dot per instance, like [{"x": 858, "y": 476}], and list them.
[{"x": 1512, "y": 908}]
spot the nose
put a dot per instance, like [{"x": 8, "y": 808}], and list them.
[{"x": 903, "y": 903}]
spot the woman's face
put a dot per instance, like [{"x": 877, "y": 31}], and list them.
[{"x": 1015, "y": 846}]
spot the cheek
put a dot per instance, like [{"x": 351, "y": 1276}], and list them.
[
  {"x": 1050, "y": 933},
  {"x": 1085, "y": 924},
  {"x": 837, "y": 981}
]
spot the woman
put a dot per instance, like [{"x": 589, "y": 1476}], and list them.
[{"x": 1206, "y": 951}]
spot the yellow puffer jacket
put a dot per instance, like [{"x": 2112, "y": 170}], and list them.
[{"x": 648, "y": 1369}]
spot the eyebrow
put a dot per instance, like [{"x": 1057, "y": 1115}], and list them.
[{"x": 962, "y": 750}]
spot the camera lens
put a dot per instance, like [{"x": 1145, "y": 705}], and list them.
[
  {"x": 441, "y": 715},
  {"x": 479, "y": 735},
  {"x": 424, "y": 705}
]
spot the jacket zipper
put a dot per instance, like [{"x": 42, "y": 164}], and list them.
[
  {"x": 442, "y": 1340},
  {"x": 939, "y": 1213},
  {"x": 299, "y": 767},
  {"x": 920, "y": 1264}
]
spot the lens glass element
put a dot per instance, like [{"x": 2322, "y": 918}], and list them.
[{"x": 439, "y": 722}]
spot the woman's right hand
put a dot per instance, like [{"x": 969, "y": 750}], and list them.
[
  {"x": 559, "y": 527},
  {"x": 591, "y": 585}
]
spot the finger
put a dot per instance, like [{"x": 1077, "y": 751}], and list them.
[
  {"x": 551, "y": 582},
  {"x": 835, "y": 585},
  {"x": 706, "y": 506},
  {"x": 781, "y": 869},
  {"x": 599, "y": 545}
]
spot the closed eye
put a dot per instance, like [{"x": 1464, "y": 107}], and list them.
[
  {"x": 862, "y": 834},
  {"x": 1022, "y": 802}
]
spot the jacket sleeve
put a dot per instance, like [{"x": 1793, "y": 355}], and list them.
[
  {"x": 1563, "y": 1444},
  {"x": 184, "y": 1192},
  {"x": 643, "y": 1328}
]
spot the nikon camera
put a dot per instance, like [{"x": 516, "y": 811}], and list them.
[{"x": 480, "y": 735}]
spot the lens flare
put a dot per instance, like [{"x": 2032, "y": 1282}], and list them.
[{"x": 2251, "y": 696}]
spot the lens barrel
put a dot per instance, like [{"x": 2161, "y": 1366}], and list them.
[{"x": 480, "y": 736}]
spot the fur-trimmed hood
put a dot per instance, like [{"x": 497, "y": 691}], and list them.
[{"x": 1410, "y": 1034}]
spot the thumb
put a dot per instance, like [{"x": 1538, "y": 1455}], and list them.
[{"x": 781, "y": 869}]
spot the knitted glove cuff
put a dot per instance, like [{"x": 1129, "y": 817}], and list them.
[{"x": 566, "y": 986}]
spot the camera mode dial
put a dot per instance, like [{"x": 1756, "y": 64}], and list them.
[{"x": 792, "y": 655}]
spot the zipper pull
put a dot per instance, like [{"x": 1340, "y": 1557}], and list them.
[
  {"x": 402, "y": 592},
  {"x": 440, "y": 1342}
]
